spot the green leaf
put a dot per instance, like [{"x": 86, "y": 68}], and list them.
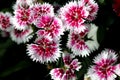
[
  {"x": 21, "y": 65},
  {"x": 4, "y": 46},
  {"x": 101, "y": 34},
  {"x": 101, "y": 1},
  {"x": 2, "y": 52}
]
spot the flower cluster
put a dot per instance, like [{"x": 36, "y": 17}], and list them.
[
  {"x": 41, "y": 27},
  {"x": 68, "y": 71},
  {"x": 31, "y": 18}
]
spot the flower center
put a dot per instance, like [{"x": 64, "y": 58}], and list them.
[
  {"x": 25, "y": 17},
  {"x": 104, "y": 69},
  {"x": 44, "y": 46},
  {"x": 47, "y": 28},
  {"x": 76, "y": 16}
]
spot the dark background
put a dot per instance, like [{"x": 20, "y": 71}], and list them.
[{"x": 16, "y": 65}]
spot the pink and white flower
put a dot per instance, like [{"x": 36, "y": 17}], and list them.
[
  {"x": 70, "y": 62},
  {"x": 68, "y": 71},
  {"x": 92, "y": 7},
  {"x": 5, "y": 24},
  {"x": 81, "y": 46},
  {"x": 22, "y": 19},
  {"x": 69, "y": 75},
  {"x": 44, "y": 50},
  {"x": 50, "y": 26},
  {"x": 21, "y": 36},
  {"x": 117, "y": 71},
  {"x": 22, "y": 15},
  {"x": 74, "y": 14},
  {"x": 57, "y": 73},
  {"x": 104, "y": 68},
  {"x": 77, "y": 44},
  {"x": 23, "y": 4},
  {"x": 38, "y": 10},
  {"x": 60, "y": 74}
]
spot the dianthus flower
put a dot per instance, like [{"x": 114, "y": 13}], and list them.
[
  {"x": 44, "y": 50},
  {"x": 104, "y": 68},
  {"x": 60, "y": 74},
  {"x": 22, "y": 16},
  {"x": 5, "y": 23},
  {"x": 70, "y": 62},
  {"x": 38, "y": 10},
  {"x": 68, "y": 72},
  {"x": 92, "y": 7},
  {"x": 84, "y": 42},
  {"x": 21, "y": 19},
  {"x": 75, "y": 13},
  {"x": 50, "y": 26}
]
